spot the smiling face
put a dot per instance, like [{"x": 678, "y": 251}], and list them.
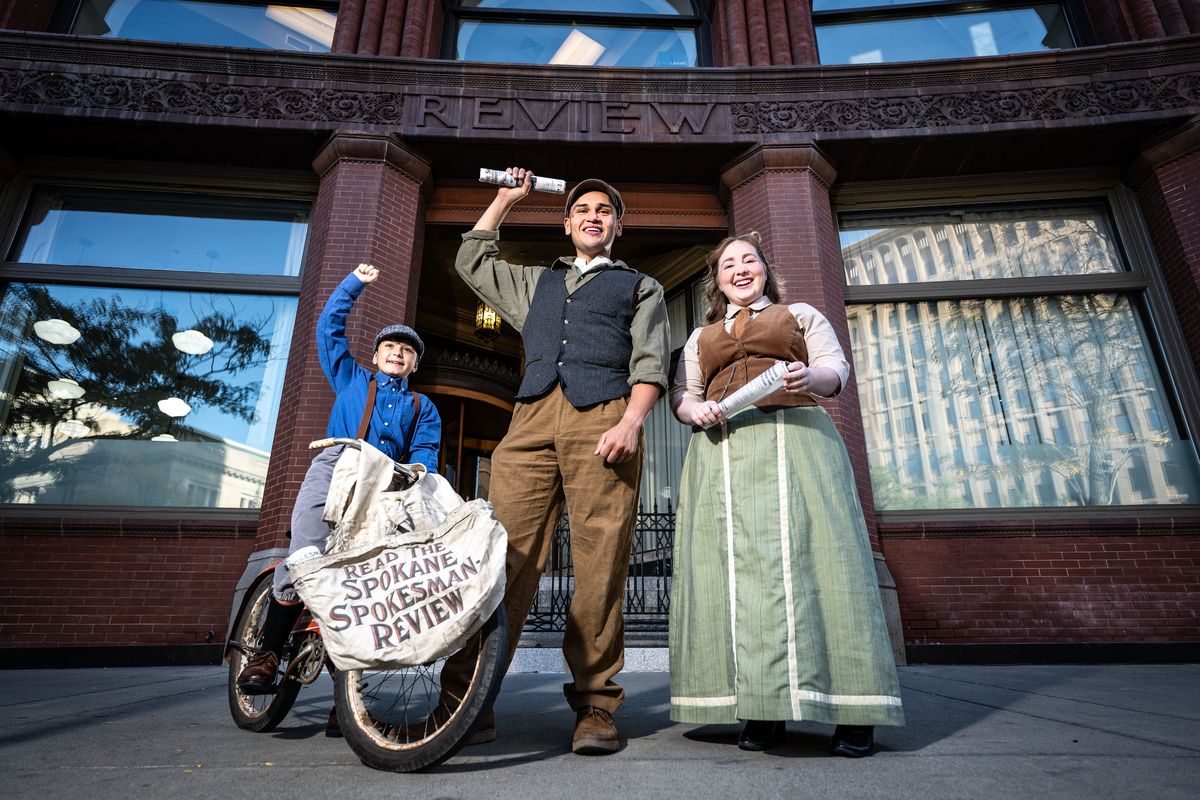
[
  {"x": 593, "y": 225},
  {"x": 397, "y": 359},
  {"x": 741, "y": 274}
]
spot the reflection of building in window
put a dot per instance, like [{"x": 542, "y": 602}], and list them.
[
  {"x": 1023, "y": 401},
  {"x": 874, "y": 31},
  {"x": 307, "y": 27},
  {"x": 662, "y": 33}
]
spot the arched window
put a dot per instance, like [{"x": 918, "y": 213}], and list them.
[
  {"x": 619, "y": 33},
  {"x": 300, "y": 25}
]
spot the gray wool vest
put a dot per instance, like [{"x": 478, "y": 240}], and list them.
[{"x": 581, "y": 340}]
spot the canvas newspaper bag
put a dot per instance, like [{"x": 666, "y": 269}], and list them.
[{"x": 408, "y": 576}]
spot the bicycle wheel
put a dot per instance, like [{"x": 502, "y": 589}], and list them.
[
  {"x": 384, "y": 714},
  {"x": 256, "y": 712}
]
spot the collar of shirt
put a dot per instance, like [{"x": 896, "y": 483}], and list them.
[
  {"x": 758, "y": 305},
  {"x": 385, "y": 381},
  {"x": 584, "y": 266}
]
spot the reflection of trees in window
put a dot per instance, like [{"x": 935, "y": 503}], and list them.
[
  {"x": 1043, "y": 398},
  {"x": 123, "y": 363}
]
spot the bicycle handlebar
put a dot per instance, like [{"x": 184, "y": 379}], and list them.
[{"x": 400, "y": 469}]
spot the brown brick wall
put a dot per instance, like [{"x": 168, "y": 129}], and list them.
[
  {"x": 1170, "y": 202},
  {"x": 110, "y": 589},
  {"x": 1048, "y": 590}
]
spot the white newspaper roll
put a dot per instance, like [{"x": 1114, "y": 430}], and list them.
[
  {"x": 498, "y": 177},
  {"x": 769, "y": 382}
]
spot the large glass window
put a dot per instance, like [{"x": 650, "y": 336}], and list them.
[
  {"x": 624, "y": 33},
  {"x": 871, "y": 31},
  {"x": 1026, "y": 376},
  {"x": 308, "y": 26},
  {"x": 121, "y": 388}
]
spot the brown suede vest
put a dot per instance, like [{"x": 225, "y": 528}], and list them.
[{"x": 727, "y": 364}]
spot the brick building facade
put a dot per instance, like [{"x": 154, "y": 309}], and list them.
[{"x": 371, "y": 149}]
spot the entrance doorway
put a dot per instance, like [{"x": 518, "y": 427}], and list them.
[{"x": 472, "y": 425}]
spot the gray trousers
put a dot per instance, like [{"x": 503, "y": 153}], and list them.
[{"x": 308, "y": 529}]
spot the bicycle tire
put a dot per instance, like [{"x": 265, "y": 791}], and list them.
[
  {"x": 263, "y": 712},
  {"x": 382, "y": 711}
]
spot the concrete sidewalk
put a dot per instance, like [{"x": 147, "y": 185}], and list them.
[{"x": 973, "y": 732}]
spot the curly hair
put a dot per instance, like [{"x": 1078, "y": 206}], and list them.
[{"x": 714, "y": 297}]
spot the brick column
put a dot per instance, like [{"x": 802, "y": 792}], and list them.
[
  {"x": 737, "y": 46},
  {"x": 370, "y": 207},
  {"x": 782, "y": 191},
  {"x": 1166, "y": 177},
  {"x": 349, "y": 22}
]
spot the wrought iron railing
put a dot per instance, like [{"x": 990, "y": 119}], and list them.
[{"x": 647, "y": 587}]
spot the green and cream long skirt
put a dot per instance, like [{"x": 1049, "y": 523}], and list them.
[{"x": 775, "y": 610}]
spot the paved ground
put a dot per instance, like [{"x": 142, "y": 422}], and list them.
[{"x": 973, "y": 732}]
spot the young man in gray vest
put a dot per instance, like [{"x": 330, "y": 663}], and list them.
[{"x": 596, "y": 356}]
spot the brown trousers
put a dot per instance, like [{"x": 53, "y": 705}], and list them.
[{"x": 548, "y": 457}]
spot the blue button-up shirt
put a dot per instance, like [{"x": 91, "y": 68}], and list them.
[{"x": 392, "y": 416}]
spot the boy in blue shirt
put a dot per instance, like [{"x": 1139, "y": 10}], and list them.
[{"x": 376, "y": 406}]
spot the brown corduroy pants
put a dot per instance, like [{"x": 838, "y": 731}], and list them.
[{"x": 548, "y": 458}]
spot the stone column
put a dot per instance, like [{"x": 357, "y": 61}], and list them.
[
  {"x": 1165, "y": 176},
  {"x": 370, "y": 207},
  {"x": 782, "y": 191}
]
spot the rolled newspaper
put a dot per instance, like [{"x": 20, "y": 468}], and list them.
[
  {"x": 499, "y": 177},
  {"x": 769, "y": 382}
]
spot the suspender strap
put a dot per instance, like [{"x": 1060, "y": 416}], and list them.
[
  {"x": 413, "y": 430},
  {"x": 366, "y": 417}
]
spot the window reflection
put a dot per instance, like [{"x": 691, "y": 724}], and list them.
[
  {"x": 271, "y": 27},
  {"x": 138, "y": 398},
  {"x": 161, "y": 231},
  {"x": 979, "y": 245},
  {"x": 1038, "y": 401},
  {"x": 950, "y": 35},
  {"x": 587, "y": 45},
  {"x": 1010, "y": 402},
  {"x": 611, "y": 7}
]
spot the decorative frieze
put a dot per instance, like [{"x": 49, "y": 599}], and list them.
[
  {"x": 149, "y": 94},
  {"x": 45, "y": 74},
  {"x": 1099, "y": 99}
]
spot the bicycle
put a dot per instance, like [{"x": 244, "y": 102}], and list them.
[{"x": 391, "y": 718}]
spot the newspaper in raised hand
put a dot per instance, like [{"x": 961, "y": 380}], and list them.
[
  {"x": 499, "y": 177},
  {"x": 768, "y": 383}
]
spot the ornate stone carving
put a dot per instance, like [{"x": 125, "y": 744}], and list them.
[
  {"x": 969, "y": 108},
  {"x": 194, "y": 98}
]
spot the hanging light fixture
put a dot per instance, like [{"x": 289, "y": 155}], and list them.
[
  {"x": 487, "y": 323},
  {"x": 56, "y": 331}
]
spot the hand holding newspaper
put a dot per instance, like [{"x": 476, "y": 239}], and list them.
[
  {"x": 769, "y": 382},
  {"x": 499, "y": 177}
]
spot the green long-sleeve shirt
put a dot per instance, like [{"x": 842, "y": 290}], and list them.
[{"x": 509, "y": 288}]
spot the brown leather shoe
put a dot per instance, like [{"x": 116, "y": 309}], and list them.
[
  {"x": 484, "y": 733},
  {"x": 595, "y": 732},
  {"x": 486, "y": 730},
  {"x": 258, "y": 676}
]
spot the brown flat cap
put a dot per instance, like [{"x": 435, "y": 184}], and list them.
[{"x": 594, "y": 185}]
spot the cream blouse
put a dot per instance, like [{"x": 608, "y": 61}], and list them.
[{"x": 824, "y": 350}]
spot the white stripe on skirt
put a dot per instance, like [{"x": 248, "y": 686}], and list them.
[{"x": 786, "y": 545}]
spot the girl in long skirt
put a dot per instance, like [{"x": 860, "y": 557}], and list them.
[{"x": 775, "y": 609}]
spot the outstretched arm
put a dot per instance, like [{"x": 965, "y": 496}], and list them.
[{"x": 333, "y": 349}]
